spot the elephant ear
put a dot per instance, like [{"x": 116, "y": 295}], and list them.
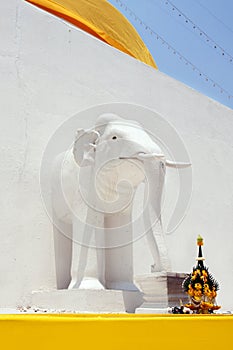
[{"x": 84, "y": 146}]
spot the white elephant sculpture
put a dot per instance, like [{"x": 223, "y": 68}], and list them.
[{"x": 93, "y": 190}]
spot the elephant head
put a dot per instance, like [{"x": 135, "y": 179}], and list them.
[{"x": 122, "y": 155}]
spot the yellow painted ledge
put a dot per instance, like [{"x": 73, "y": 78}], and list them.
[{"x": 116, "y": 331}]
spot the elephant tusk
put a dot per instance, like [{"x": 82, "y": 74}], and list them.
[
  {"x": 142, "y": 155},
  {"x": 178, "y": 165},
  {"x": 169, "y": 163}
]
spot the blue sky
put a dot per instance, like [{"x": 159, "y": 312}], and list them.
[{"x": 213, "y": 66}]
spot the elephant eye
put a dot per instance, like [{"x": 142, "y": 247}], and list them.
[{"x": 114, "y": 138}]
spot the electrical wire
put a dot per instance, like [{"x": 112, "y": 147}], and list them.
[
  {"x": 211, "y": 42},
  {"x": 213, "y": 15},
  {"x": 175, "y": 52}
]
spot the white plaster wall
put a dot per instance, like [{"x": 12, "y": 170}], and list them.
[{"x": 50, "y": 71}]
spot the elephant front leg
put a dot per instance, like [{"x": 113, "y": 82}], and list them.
[
  {"x": 119, "y": 251},
  {"x": 79, "y": 254},
  {"x": 84, "y": 274},
  {"x": 151, "y": 240}
]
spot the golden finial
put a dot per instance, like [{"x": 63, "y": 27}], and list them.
[{"x": 199, "y": 240}]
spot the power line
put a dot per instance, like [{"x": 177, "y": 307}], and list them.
[
  {"x": 213, "y": 15},
  {"x": 172, "y": 49},
  {"x": 211, "y": 42}
]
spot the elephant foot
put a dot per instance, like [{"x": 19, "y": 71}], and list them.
[
  {"x": 91, "y": 283},
  {"x": 73, "y": 284}
]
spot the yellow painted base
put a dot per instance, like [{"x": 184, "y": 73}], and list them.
[{"x": 116, "y": 331}]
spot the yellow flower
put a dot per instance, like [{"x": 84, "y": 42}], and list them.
[
  {"x": 214, "y": 294},
  {"x": 204, "y": 279},
  {"x": 208, "y": 294},
  {"x": 195, "y": 274},
  {"x": 190, "y": 306},
  {"x": 204, "y": 273},
  {"x": 206, "y": 306},
  {"x": 197, "y": 293},
  {"x": 198, "y": 286},
  {"x": 191, "y": 292},
  {"x": 216, "y": 307},
  {"x": 197, "y": 298}
]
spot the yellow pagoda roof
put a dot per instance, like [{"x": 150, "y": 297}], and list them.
[{"x": 102, "y": 20}]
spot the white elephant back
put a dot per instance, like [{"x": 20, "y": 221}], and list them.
[{"x": 67, "y": 200}]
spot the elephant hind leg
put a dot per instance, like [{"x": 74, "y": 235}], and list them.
[{"x": 63, "y": 253}]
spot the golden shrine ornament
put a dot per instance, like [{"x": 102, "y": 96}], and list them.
[{"x": 201, "y": 287}]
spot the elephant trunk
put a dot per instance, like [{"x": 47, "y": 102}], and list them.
[{"x": 154, "y": 183}]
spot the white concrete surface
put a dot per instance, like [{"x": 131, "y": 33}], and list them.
[
  {"x": 50, "y": 71},
  {"x": 91, "y": 301}
]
